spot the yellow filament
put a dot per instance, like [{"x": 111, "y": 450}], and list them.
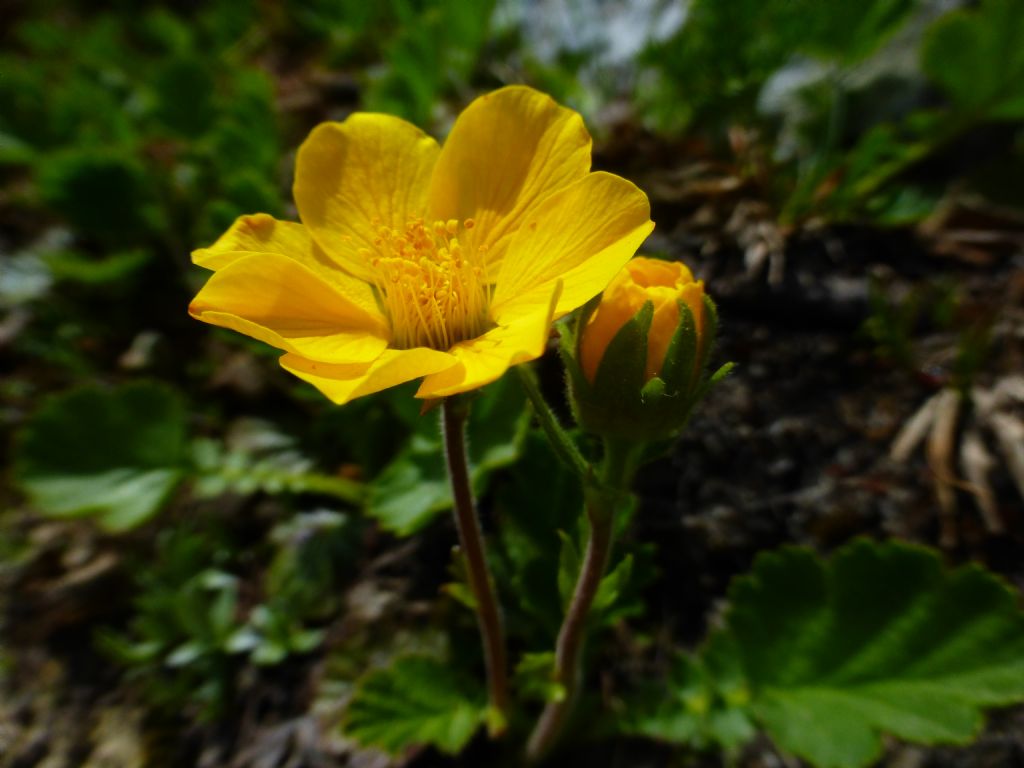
[{"x": 434, "y": 291}]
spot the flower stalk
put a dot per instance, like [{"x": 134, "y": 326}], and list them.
[
  {"x": 601, "y": 501},
  {"x": 453, "y": 426}
]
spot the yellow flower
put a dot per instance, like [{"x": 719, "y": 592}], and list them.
[
  {"x": 414, "y": 260},
  {"x": 664, "y": 284}
]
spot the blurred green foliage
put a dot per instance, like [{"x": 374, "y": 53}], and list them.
[
  {"x": 839, "y": 110},
  {"x": 435, "y": 49},
  {"x": 141, "y": 128},
  {"x": 713, "y": 70},
  {"x": 116, "y": 455},
  {"x": 190, "y": 633}
]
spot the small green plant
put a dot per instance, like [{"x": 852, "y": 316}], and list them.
[
  {"x": 894, "y": 323},
  {"x": 186, "y": 613},
  {"x": 189, "y": 633}
]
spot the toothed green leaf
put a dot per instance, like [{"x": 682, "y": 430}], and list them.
[
  {"x": 831, "y": 655},
  {"x": 416, "y": 701}
]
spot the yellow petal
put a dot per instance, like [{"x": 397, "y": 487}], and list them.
[
  {"x": 277, "y": 300},
  {"x": 254, "y": 233},
  {"x": 354, "y": 177},
  {"x": 583, "y": 235},
  {"x": 520, "y": 336},
  {"x": 341, "y": 383},
  {"x": 261, "y": 233},
  {"x": 505, "y": 154}
]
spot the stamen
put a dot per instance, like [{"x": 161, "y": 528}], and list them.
[{"x": 432, "y": 287}]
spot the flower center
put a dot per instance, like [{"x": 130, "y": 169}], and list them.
[{"x": 434, "y": 291}]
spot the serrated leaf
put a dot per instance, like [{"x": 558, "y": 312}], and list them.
[
  {"x": 612, "y": 585},
  {"x": 416, "y": 701},
  {"x": 114, "y": 454},
  {"x": 410, "y": 492},
  {"x": 620, "y": 374},
  {"x": 881, "y": 639},
  {"x": 413, "y": 489}
]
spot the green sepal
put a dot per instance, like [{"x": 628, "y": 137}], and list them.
[
  {"x": 610, "y": 405},
  {"x": 709, "y": 333},
  {"x": 620, "y": 374},
  {"x": 678, "y": 369},
  {"x": 713, "y": 379}
]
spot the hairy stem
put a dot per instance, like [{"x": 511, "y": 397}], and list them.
[
  {"x": 453, "y": 423},
  {"x": 617, "y": 471},
  {"x": 568, "y": 651}
]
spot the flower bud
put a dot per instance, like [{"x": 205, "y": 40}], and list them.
[
  {"x": 638, "y": 357},
  {"x": 664, "y": 284}
]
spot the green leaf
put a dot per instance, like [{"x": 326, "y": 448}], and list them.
[
  {"x": 413, "y": 489},
  {"x": 976, "y": 56},
  {"x": 529, "y": 545},
  {"x": 879, "y": 640},
  {"x": 113, "y": 454},
  {"x": 273, "y": 469},
  {"x": 613, "y": 585},
  {"x": 534, "y": 676},
  {"x": 416, "y": 701},
  {"x": 120, "y": 499},
  {"x": 410, "y": 492},
  {"x": 697, "y": 707},
  {"x": 79, "y": 268}
]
